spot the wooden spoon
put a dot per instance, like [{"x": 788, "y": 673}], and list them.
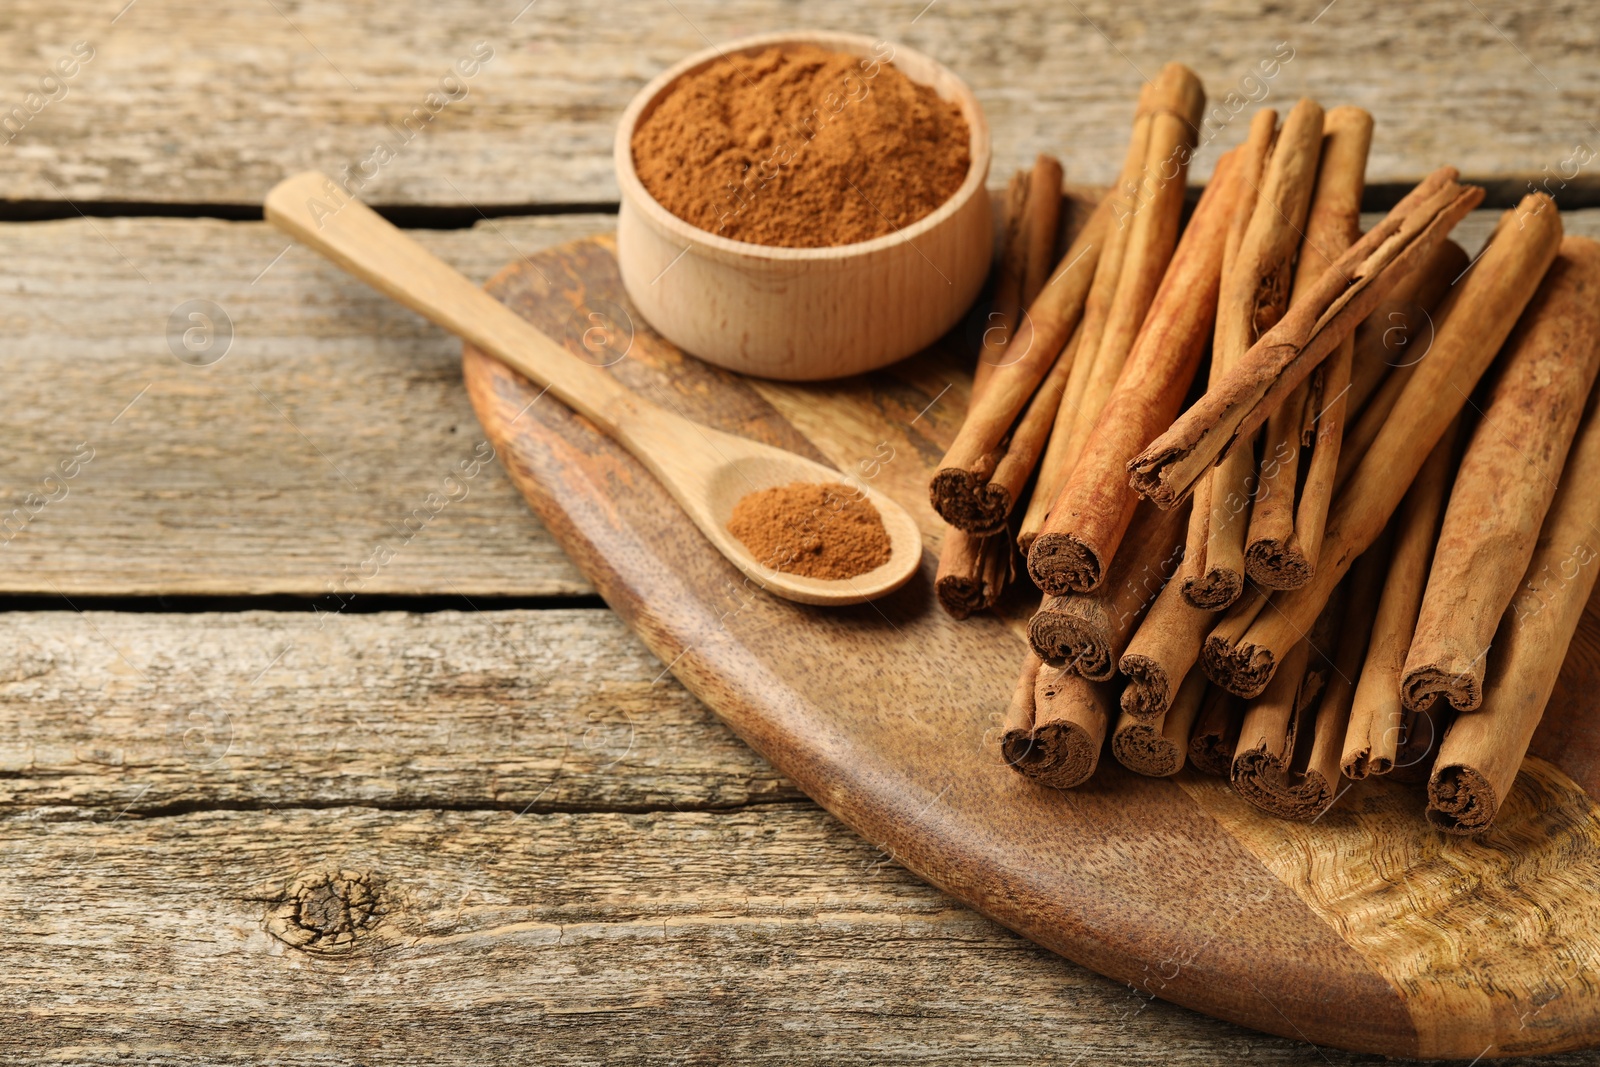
[{"x": 706, "y": 471}]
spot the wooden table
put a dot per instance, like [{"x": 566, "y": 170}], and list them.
[{"x": 316, "y": 749}]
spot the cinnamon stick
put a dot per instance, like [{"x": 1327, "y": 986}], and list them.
[
  {"x": 1088, "y": 632},
  {"x": 1042, "y": 208},
  {"x": 1162, "y": 651},
  {"x": 1060, "y": 747},
  {"x": 1034, "y": 429},
  {"x": 1016, "y": 734},
  {"x": 1285, "y": 534},
  {"x": 1377, "y": 718},
  {"x": 1306, "y": 784},
  {"x": 1228, "y": 416},
  {"x": 1086, "y": 525},
  {"x": 1148, "y": 202},
  {"x": 1272, "y": 765},
  {"x": 1219, "y": 654},
  {"x": 1158, "y": 747},
  {"x": 1479, "y": 757},
  {"x": 1216, "y": 733},
  {"x": 1506, "y": 482},
  {"x": 974, "y": 570},
  {"x": 1096, "y": 311},
  {"x": 1476, "y": 318},
  {"x": 960, "y": 490},
  {"x": 1177, "y": 101},
  {"x": 1213, "y": 565},
  {"x": 1009, "y": 299},
  {"x": 1390, "y": 343},
  {"x": 1399, "y": 331}
]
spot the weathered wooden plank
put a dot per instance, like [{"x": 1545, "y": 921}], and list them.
[
  {"x": 185, "y": 101},
  {"x": 114, "y": 712},
  {"x": 322, "y": 453},
  {"x": 355, "y": 936}
]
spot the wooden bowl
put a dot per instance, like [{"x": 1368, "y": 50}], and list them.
[{"x": 802, "y": 314}]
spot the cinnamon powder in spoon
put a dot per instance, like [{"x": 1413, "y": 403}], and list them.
[
  {"x": 816, "y": 531},
  {"x": 801, "y": 147}
]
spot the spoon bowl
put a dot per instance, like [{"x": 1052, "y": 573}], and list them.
[
  {"x": 768, "y": 468},
  {"x": 706, "y": 470}
]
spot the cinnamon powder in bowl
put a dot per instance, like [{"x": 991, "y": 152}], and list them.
[
  {"x": 801, "y": 147},
  {"x": 805, "y": 205}
]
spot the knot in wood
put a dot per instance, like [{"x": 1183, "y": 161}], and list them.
[{"x": 326, "y": 911}]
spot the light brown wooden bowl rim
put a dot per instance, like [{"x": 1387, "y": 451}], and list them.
[{"x": 851, "y": 43}]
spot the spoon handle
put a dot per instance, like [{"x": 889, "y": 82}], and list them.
[{"x": 313, "y": 209}]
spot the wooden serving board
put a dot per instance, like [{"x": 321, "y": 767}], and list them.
[{"x": 1365, "y": 930}]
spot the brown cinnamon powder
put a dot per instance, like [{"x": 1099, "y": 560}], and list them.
[
  {"x": 816, "y": 531},
  {"x": 801, "y": 147}
]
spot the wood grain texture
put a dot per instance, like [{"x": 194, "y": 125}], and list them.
[
  {"x": 116, "y": 712},
  {"x": 187, "y": 101},
  {"x": 772, "y": 937},
  {"x": 286, "y": 467},
  {"x": 1445, "y": 919},
  {"x": 1102, "y": 874}
]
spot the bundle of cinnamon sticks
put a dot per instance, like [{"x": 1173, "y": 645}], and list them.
[{"x": 1349, "y": 557}]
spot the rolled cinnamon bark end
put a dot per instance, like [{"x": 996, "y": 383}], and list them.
[
  {"x": 1243, "y": 669},
  {"x": 1164, "y": 650},
  {"x": 1461, "y": 801},
  {"x": 1016, "y": 737},
  {"x": 1214, "y": 589},
  {"x": 1229, "y": 665},
  {"x": 1216, "y": 733},
  {"x": 1062, "y": 747},
  {"x": 1071, "y": 565},
  {"x": 967, "y": 501},
  {"x": 962, "y": 596},
  {"x": 1263, "y": 765},
  {"x": 1158, "y": 747},
  {"x": 1276, "y": 564},
  {"x": 1264, "y": 782},
  {"x": 1093, "y": 629},
  {"x": 1075, "y": 632},
  {"x": 1149, "y": 690},
  {"x": 1060, "y": 755},
  {"x": 1365, "y": 763},
  {"x": 1423, "y": 686},
  {"x": 1140, "y": 747},
  {"x": 973, "y": 572}
]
